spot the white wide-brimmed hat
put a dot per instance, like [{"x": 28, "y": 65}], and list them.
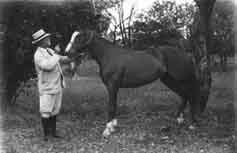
[{"x": 39, "y": 35}]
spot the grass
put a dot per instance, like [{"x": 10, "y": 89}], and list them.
[{"x": 146, "y": 122}]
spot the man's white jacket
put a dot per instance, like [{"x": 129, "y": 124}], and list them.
[{"x": 50, "y": 76}]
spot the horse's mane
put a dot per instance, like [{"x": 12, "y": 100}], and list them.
[
  {"x": 91, "y": 35},
  {"x": 105, "y": 40},
  {"x": 108, "y": 42}
]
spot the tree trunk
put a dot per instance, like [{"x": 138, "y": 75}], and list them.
[
  {"x": 3, "y": 92},
  {"x": 120, "y": 11},
  {"x": 200, "y": 38},
  {"x": 201, "y": 29},
  {"x": 129, "y": 27}
]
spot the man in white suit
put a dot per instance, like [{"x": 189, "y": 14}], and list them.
[{"x": 50, "y": 81}]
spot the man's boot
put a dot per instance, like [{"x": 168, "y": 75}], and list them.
[
  {"x": 46, "y": 128},
  {"x": 53, "y": 127}
]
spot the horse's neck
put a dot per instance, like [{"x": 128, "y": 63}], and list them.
[{"x": 99, "y": 50}]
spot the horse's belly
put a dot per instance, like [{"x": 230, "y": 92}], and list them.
[
  {"x": 136, "y": 82},
  {"x": 141, "y": 73}
]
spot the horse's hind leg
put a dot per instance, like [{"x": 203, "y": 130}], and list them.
[
  {"x": 195, "y": 109},
  {"x": 112, "y": 106},
  {"x": 180, "y": 113}
]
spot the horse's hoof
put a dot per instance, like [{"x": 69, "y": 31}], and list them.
[
  {"x": 111, "y": 125},
  {"x": 106, "y": 133},
  {"x": 191, "y": 127},
  {"x": 180, "y": 120}
]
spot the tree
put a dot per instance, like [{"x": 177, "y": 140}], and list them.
[{"x": 200, "y": 38}]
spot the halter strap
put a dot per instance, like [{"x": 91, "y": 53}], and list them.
[
  {"x": 74, "y": 35},
  {"x": 91, "y": 37}
]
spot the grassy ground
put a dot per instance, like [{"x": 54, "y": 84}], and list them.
[{"x": 144, "y": 115}]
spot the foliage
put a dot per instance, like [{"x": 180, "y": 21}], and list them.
[
  {"x": 171, "y": 15},
  {"x": 60, "y": 18},
  {"x": 105, "y": 4},
  {"x": 162, "y": 24},
  {"x": 223, "y": 28}
]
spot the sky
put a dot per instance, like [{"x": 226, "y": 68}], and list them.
[{"x": 146, "y": 4}]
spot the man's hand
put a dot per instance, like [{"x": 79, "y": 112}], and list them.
[
  {"x": 57, "y": 48},
  {"x": 65, "y": 59}
]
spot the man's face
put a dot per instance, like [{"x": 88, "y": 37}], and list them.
[{"x": 46, "y": 42}]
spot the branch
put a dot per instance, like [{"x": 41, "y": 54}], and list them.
[{"x": 129, "y": 23}]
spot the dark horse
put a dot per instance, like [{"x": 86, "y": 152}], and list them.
[{"x": 127, "y": 68}]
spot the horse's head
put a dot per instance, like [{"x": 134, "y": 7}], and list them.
[
  {"x": 79, "y": 41},
  {"x": 76, "y": 49}
]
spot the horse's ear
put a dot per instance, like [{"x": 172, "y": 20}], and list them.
[{"x": 90, "y": 35}]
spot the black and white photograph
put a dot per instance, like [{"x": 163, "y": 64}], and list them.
[{"x": 118, "y": 76}]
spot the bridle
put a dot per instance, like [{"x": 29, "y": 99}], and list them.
[
  {"x": 69, "y": 45},
  {"x": 84, "y": 46}
]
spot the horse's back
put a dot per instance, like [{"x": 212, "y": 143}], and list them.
[{"x": 138, "y": 68}]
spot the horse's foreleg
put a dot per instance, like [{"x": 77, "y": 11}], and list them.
[
  {"x": 195, "y": 109},
  {"x": 180, "y": 113},
  {"x": 112, "y": 106}
]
